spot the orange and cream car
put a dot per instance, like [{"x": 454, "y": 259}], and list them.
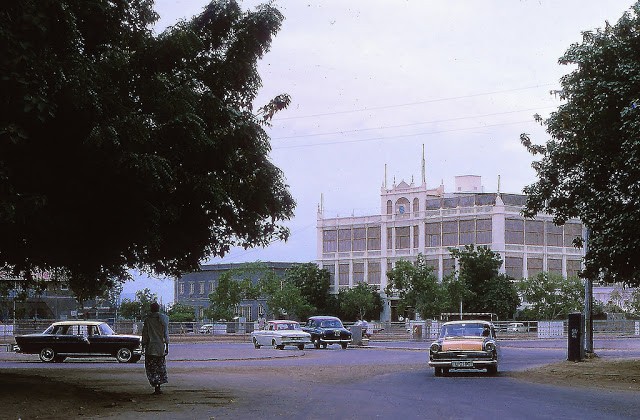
[{"x": 465, "y": 345}]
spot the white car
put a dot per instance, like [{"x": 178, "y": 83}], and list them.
[
  {"x": 516, "y": 327},
  {"x": 206, "y": 329},
  {"x": 281, "y": 333}
]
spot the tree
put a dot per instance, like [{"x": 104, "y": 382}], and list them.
[
  {"x": 284, "y": 298},
  {"x": 551, "y": 296},
  {"x": 360, "y": 302},
  {"x": 489, "y": 291},
  {"x": 590, "y": 167},
  {"x": 225, "y": 298},
  {"x": 139, "y": 307},
  {"x": 122, "y": 149},
  {"x": 417, "y": 287},
  {"x": 634, "y": 302},
  {"x": 314, "y": 285},
  {"x": 455, "y": 292},
  {"x": 180, "y": 312}
]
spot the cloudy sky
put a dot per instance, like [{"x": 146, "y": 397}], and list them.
[{"x": 371, "y": 81}]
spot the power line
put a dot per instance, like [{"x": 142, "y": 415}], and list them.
[
  {"x": 409, "y": 125},
  {"x": 413, "y": 103},
  {"x": 398, "y": 136}
]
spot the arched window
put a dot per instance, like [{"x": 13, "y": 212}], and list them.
[
  {"x": 402, "y": 206},
  {"x": 389, "y": 207}
]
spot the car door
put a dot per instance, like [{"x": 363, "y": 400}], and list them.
[
  {"x": 72, "y": 340},
  {"x": 98, "y": 342}
]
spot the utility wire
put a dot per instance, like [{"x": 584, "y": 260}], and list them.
[
  {"x": 409, "y": 125},
  {"x": 474, "y": 95},
  {"x": 296, "y": 146}
]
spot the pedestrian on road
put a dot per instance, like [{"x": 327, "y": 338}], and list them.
[{"x": 155, "y": 345}]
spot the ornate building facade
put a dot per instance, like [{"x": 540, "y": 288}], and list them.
[{"x": 416, "y": 220}]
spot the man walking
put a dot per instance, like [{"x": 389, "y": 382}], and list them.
[{"x": 155, "y": 345}]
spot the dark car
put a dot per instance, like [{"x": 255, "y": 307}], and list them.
[
  {"x": 80, "y": 339},
  {"x": 327, "y": 330}
]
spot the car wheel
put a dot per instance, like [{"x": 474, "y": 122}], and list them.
[
  {"x": 445, "y": 371},
  {"x": 324, "y": 345},
  {"x": 492, "y": 370},
  {"x": 124, "y": 355},
  {"x": 344, "y": 345},
  {"x": 316, "y": 343},
  {"x": 47, "y": 355},
  {"x": 438, "y": 371},
  {"x": 300, "y": 346},
  {"x": 255, "y": 343}
]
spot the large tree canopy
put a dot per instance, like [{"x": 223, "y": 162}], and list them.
[
  {"x": 488, "y": 289},
  {"x": 122, "y": 149},
  {"x": 590, "y": 167}
]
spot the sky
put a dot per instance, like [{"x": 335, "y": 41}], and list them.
[{"x": 372, "y": 81}]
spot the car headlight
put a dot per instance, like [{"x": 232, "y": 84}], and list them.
[
  {"x": 490, "y": 347},
  {"x": 435, "y": 347}
]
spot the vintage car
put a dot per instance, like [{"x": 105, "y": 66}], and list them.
[
  {"x": 206, "y": 329},
  {"x": 279, "y": 334},
  {"x": 465, "y": 345},
  {"x": 80, "y": 339},
  {"x": 516, "y": 327},
  {"x": 327, "y": 330}
]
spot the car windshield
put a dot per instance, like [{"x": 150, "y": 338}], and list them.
[
  {"x": 331, "y": 323},
  {"x": 464, "y": 330},
  {"x": 288, "y": 326},
  {"x": 105, "y": 329}
]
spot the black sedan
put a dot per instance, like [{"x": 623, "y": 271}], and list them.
[
  {"x": 327, "y": 330},
  {"x": 80, "y": 339}
]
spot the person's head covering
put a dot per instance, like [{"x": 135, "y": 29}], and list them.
[{"x": 155, "y": 307}]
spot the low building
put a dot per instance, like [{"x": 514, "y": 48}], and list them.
[{"x": 193, "y": 289}]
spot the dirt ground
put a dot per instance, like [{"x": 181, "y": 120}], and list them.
[
  {"x": 35, "y": 397},
  {"x": 613, "y": 374}
]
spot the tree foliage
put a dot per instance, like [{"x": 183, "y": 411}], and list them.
[
  {"x": 138, "y": 308},
  {"x": 314, "y": 285},
  {"x": 225, "y": 298},
  {"x": 123, "y": 149},
  {"x": 180, "y": 312},
  {"x": 551, "y": 296},
  {"x": 284, "y": 298},
  {"x": 488, "y": 290},
  {"x": 590, "y": 167},
  {"x": 417, "y": 287},
  {"x": 360, "y": 302}
]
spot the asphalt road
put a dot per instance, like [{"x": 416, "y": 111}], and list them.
[{"x": 386, "y": 381}]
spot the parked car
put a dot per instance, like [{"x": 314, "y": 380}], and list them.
[
  {"x": 279, "y": 334},
  {"x": 206, "y": 329},
  {"x": 516, "y": 327},
  {"x": 80, "y": 339},
  {"x": 327, "y": 330},
  {"x": 465, "y": 345}
]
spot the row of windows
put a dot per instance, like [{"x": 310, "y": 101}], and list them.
[
  {"x": 538, "y": 232},
  {"x": 200, "y": 288},
  {"x": 351, "y": 239},
  {"x": 452, "y": 233},
  {"x": 513, "y": 268},
  {"x": 402, "y": 206}
]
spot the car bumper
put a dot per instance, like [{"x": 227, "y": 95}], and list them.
[
  {"x": 335, "y": 340},
  {"x": 463, "y": 364},
  {"x": 293, "y": 342}
]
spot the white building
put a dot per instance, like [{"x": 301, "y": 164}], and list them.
[{"x": 416, "y": 220}]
